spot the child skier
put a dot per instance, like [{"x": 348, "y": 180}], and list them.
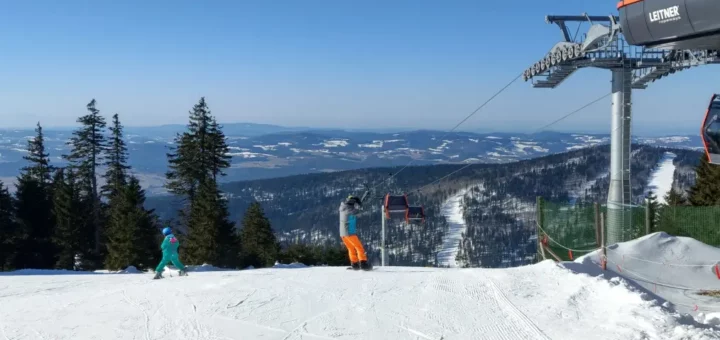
[
  {"x": 170, "y": 254},
  {"x": 348, "y": 220}
]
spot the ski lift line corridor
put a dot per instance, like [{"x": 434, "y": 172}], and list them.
[
  {"x": 456, "y": 126},
  {"x": 394, "y": 204},
  {"x": 568, "y": 115}
]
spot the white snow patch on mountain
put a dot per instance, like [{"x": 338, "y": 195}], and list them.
[
  {"x": 374, "y": 144},
  {"x": 521, "y": 146},
  {"x": 334, "y": 143},
  {"x": 266, "y": 147}
]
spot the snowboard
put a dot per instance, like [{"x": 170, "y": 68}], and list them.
[{"x": 361, "y": 270}]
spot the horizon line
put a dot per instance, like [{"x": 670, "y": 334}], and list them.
[{"x": 376, "y": 130}]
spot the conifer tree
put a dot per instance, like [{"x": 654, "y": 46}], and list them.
[
  {"x": 218, "y": 147},
  {"x": 211, "y": 237},
  {"x": 258, "y": 242},
  {"x": 131, "y": 232},
  {"x": 116, "y": 160},
  {"x": 196, "y": 161},
  {"x": 11, "y": 236},
  {"x": 88, "y": 148},
  {"x": 674, "y": 198},
  {"x": 73, "y": 234},
  {"x": 651, "y": 203},
  {"x": 706, "y": 190},
  {"x": 189, "y": 164},
  {"x": 34, "y": 207},
  {"x": 39, "y": 168}
]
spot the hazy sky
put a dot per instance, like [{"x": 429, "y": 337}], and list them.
[{"x": 346, "y": 64}]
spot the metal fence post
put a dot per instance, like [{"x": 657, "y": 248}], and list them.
[
  {"x": 596, "y": 206},
  {"x": 602, "y": 241},
  {"x": 647, "y": 217},
  {"x": 382, "y": 242}
]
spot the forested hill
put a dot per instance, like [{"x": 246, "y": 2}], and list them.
[{"x": 303, "y": 208}]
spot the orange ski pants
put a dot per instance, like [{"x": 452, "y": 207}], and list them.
[{"x": 355, "y": 248}]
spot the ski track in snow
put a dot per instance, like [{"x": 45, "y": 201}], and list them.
[
  {"x": 453, "y": 211},
  {"x": 537, "y": 302},
  {"x": 661, "y": 178}
]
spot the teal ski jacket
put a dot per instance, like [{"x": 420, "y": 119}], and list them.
[{"x": 170, "y": 245}]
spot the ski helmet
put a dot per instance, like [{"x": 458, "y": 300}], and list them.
[{"x": 166, "y": 231}]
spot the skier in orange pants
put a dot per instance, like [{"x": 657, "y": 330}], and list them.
[{"x": 348, "y": 224}]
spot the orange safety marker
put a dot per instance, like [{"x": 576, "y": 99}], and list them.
[
  {"x": 570, "y": 254},
  {"x": 716, "y": 269}
]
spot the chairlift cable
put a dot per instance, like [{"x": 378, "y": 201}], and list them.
[
  {"x": 456, "y": 126},
  {"x": 572, "y": 113},
  {"x": 540, "y": 129}
]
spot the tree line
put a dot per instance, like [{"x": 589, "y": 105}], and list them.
[
  {"x": 693, "y": 212},
  {"x": 62, "y": 218}
]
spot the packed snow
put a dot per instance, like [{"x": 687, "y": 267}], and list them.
[
  {"x": 453, "y": 211},
  {"x": 570, "y": 300},
  {"x": 661, "y": 178},
  {"x": 541, "y": 301}
]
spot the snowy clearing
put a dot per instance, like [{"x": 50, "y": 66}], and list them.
[
  {"x": 541, "y": 301},
  {"x": 453, "y": 211},
  {"x": 661, "y": 178}
]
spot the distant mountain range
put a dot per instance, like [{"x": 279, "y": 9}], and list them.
[{"x": 266, "y": 151}]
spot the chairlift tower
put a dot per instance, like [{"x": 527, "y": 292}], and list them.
[{"x": 632, "y": 67}]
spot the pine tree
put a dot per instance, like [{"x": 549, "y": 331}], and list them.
[
  {"x": 131, "y": 229},
  {"x": 190, "y": 162},
  {"x": 11, "y": 236},
  {"x": 34, "y": 207},
  {"x": 196, "y": 161},
  {"x": 652, "y": 204},
  {"x": 88, "y": 148},
  {"x": 115, "y": 176},
  {"x": 706, "y": 190},
  {"x": 674, "y": 198},
  {"x": 218, "y": 148},
  {"x": 39, "y": 168},
  {"x": 258, "y": 242},
  {"x": 211, "y": 237},
  {"x": 73, "y": 233}
]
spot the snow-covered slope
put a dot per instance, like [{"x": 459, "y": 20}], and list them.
[
  {"x": 661, "y": 179},
  {"x": 453, "y": 211},
  {"x": 674, "y": 268},
  {"x": 542, "y": 301}
]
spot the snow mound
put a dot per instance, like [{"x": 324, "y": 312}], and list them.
[
  {"x": 128, "y": 270},
  {"x": 674, "y": 269},
  {"x": 290, "y": 265},
  {"x": 47, "y": 272},
  {"x": 205, "y": 268}
]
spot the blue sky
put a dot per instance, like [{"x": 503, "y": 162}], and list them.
[{"x": 345, "y": 64}]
